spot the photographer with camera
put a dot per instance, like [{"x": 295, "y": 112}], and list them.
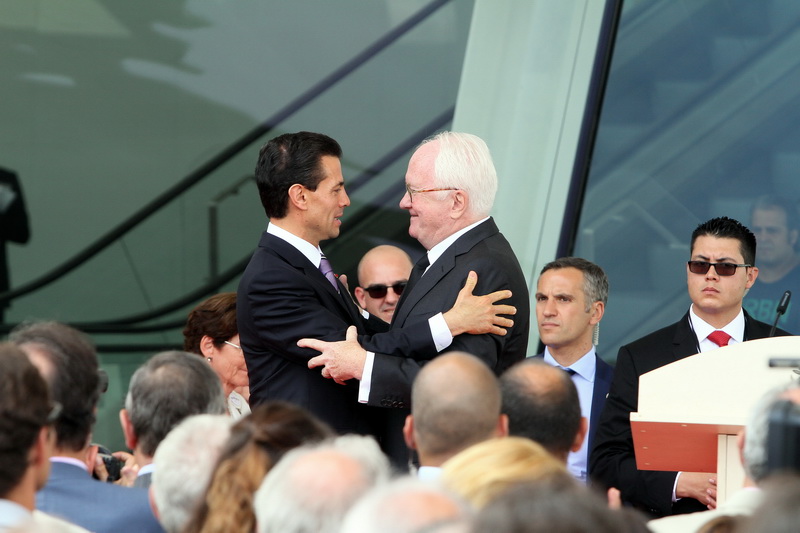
[{"x": 67, "y": 360}]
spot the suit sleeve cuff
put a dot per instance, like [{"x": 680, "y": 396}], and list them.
[
  {"x": 440, "y": 332},
  {"x": 366, "y": 378}
]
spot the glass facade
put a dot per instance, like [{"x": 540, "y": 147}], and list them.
[{"x": 700, "y": 117}]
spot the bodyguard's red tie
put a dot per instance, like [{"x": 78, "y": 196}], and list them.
[{"x": 719, "y": 337}]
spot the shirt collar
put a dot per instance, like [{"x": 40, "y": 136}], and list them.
[
  {"x": 702, "y": 329},
  {"x": 70, "y": 461},
  {"x": 312, "y": 253},
  {"x": 437, "y": 251},
  {"x": 585, "y": 367}
]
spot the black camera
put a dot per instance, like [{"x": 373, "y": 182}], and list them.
[
  {"x": 113, "y": 464},
  {"x": 783, "y": 438}
]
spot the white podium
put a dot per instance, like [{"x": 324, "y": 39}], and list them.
[{"x": 690, "y": 411}]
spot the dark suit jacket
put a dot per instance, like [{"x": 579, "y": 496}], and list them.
[
  {"x": 71, "y": 493},
  {"x": 282, "y": 298},
  {"x": 484, "y": 250},
  {"x": 13, "y": 226},
  {"x": 603, "y": 375},
  {"x": 613, "y": 462}
]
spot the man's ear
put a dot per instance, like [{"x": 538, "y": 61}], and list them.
[
  {"x": 127, "y": 429},
  {"x": 598, "y": 309},
  {"x": 583, "y": 429},
  {"x": 297, "y": 196},
  {"x": 361, "y": 296},
  {"x": 460, "y": 204},
  {"x": 502, "y": 426},
  {"x": 408, "y": 433}
]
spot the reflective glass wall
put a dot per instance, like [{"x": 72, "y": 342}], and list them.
[
  {"x": 108, "y": 104},
  {"x": 700, "y": 117}
]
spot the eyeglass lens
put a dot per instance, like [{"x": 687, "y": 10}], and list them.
[
  {"x": 379, "y": 291},
  {"x": 723, "y": 269}
]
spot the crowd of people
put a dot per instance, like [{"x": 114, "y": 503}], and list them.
[{"x": 411, "y": 404}]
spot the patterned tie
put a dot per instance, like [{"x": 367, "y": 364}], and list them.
[
  {"x": 719, "y": 337},
  {"x": 327, "y": 271}
]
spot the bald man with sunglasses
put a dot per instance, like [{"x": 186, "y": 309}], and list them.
[
  {"x": 719, "y": 272},
  {"x": 382, "y": 275}
]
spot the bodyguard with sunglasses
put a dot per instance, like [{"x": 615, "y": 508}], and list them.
[
  {"x": 720, "y": 270},
  {"x": 382, "y": 275}
]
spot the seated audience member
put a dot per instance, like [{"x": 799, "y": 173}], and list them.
[
  {"x": 408, "y": 505},
  {"x": 26, "y": 443},
  {"x": 483, "y": 471},
  {"x": 166, "y": 389},
  {"x": 257, "y": 442},
  {"x": 753, "y": 450},
  {"x": 779, "y": 511},
  {"x": 211, "y": 331},
  {"x": 556, "y": 504},
  {"x": 382, "y": 275},
  {"x": 312, "y": 488},
  {"x": 571, "y": 296},
  {"x": 455, "y": 403},
  {"x": 542, "y": 404},
  {"x": 67, "y": 360},
  {"x": 184, "y": 461}
]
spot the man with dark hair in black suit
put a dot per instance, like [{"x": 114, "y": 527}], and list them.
[{"x": 719, "y": 272}]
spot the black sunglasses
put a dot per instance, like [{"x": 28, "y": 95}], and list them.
[
  {"x": 379, "y": 291},
  {"x": 723, "y": 269}
]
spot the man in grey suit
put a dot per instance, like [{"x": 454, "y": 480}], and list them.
[
  {"x": 67, "y": 360},
  {"x": 169, "y": 387},
  {"x": 450, "y": 188}
]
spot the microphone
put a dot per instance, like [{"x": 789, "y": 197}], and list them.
[{"x": 782, "y": 306}]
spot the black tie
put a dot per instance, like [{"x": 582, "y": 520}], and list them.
[{"x": 417, "y": 272}]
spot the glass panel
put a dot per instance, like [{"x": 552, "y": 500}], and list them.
[
  {"x": 700, "y": 117},
  {"x": 108, "y": 104}
]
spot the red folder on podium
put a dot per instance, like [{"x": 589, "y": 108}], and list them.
[{"x": 690, "y": 411}]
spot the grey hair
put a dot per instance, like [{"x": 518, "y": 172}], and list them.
[
  {"x": 406, "y": 505},
  {"x": 289, "y": 500},
  {"x": 169, "y": 387},
  {"x": 464, "y": 162},
  {"x": 595, "y": 281},
  {"x": 184, "y": 462},
  {"x": 757, "y": 430}
]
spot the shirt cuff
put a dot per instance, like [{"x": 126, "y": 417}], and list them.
[
  {"x": 366, "y": 378},
  {"x": 440, "y": 332},
  {"x": 675, "y": 488}
]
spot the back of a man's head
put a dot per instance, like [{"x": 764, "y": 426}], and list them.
[
  {"x": 184, "y": 462},
  {"x": 755, "y": 453},
  {"x": 24, "y": 408},
  {"x": 455, "y": 403},
  {"x": 169, "y": 387},
  {"x": 68, "y": 362},
  {"x": 542, "y": 404},
  {"x": 407, "y": 505},
  {"x": 312, "y": 487}
]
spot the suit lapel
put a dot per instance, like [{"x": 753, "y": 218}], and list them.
[
  {"x": 684, "y": 343},
  {"x": 296, "y": 259},
  {"x": 440, "y": 268}
]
